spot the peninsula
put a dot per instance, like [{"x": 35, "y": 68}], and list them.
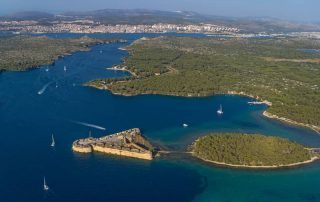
[
  {"x": 129, "y": 143},
  {"x": 252, "y": 151},
  {"x": 20, "y": 53},
  {"x": 278, "y": 71}
]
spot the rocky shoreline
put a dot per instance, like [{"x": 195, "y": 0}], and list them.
[
  {"x": 271, "y": 116},
  {"x": 261, "y": 167}
]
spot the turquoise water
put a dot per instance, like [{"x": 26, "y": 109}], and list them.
[{"x": 28, "y": 119}]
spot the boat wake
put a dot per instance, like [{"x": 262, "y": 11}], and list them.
[
  {"x": 44, "y": 88},
  {"x": 89, "y": 125}
]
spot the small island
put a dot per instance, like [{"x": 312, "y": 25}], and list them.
[
  {"x": 129, "y": 143},
  {"x": 252, "y": 151}
]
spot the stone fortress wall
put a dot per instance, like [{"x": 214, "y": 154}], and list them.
[{"x": 128, "y": 143}]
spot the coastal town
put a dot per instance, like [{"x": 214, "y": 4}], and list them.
[{"x": 88, "y": 26}]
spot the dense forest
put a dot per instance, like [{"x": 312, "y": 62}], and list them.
[
  {"x": 281, "y": 70},
  {"x": 23, "y": 52},
  {"x": 252, "y": 150}
]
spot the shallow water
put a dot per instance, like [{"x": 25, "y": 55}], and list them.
[{"x": 27, "y": 120}]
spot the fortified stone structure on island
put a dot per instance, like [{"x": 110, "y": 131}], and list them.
[{"x": 128, "y": 143}]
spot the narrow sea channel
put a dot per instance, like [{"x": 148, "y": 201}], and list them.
[{"x": 28, "y": 119}]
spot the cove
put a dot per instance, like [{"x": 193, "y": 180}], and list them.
[{"x": 28, "y": 119}]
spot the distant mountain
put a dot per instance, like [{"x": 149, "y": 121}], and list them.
[
  {"x": 272, "y": 25},
  {"x": 137, "y": 16},
  {"x": 29, "y": 15},
  {"x": 143, "y": 16}
]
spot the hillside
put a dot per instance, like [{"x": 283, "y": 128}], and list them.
[
  {"x": 29, "y": 15},
  {"x": 276, "y": 70},
  {"x": 24, "y": 52}
]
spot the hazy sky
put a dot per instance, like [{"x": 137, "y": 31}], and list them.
[{"x": 298, "y": 10}]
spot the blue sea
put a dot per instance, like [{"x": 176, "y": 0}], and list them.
[{"x": 28, "y": 119}]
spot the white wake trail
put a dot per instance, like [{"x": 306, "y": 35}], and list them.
[
  {"x": 43, "y": 89},
  {"x": 89, "y": 125}
]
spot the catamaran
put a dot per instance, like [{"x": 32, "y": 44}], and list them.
[
  {"x": 220, "y": 112},
  {"x": 45, "y": 186},
  {"x": 53, "y": 142}
]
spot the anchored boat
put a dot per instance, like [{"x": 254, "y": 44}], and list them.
[
  {"x": 220, "y": 111},
  {"x": 45, "y": 186},
  {"x": 53, "y": 142}
]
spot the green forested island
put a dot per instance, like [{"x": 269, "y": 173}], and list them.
[
  {"x": 284, "y": 71},
  {"x": 252, "y": 150},
  {"x": 24, "y": 52}
]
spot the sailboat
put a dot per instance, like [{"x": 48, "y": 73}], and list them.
[
  {"x": 53, "y": 142},
  {"x": 45, "y": 186},
  {"x": 220, "y": 112},
  {"x": 65, "y": 68}
]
